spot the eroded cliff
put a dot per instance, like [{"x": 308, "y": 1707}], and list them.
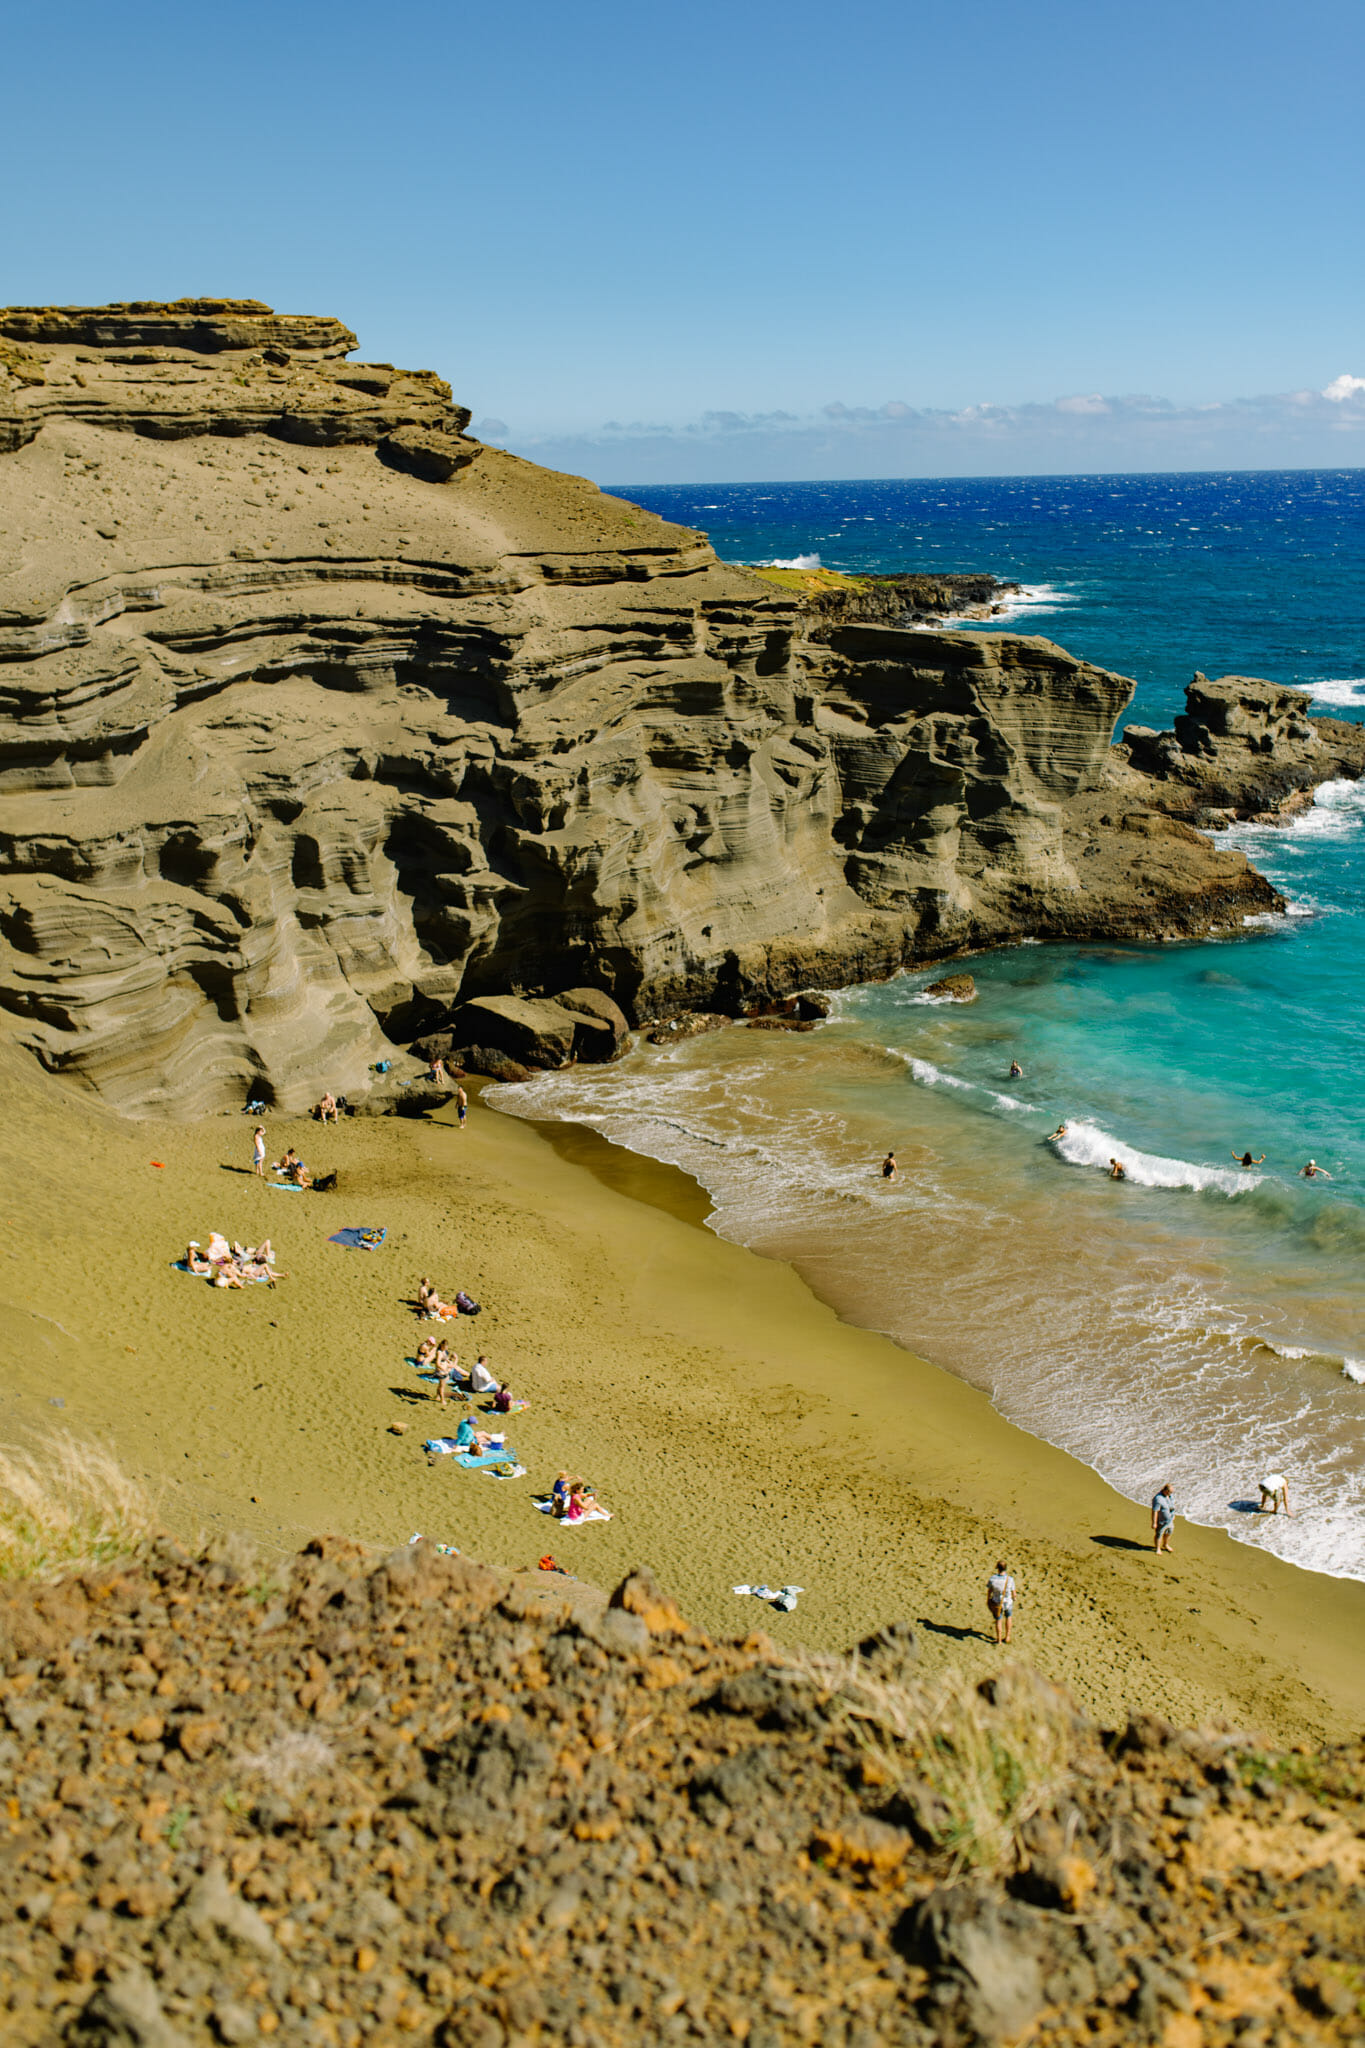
[{"x": 317, "y": 717}]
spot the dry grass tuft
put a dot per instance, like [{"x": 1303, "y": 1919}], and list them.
[
  {"x": 291, "y": 1760},
  {"x": 972, "y": 1772},
  {"x": 67, "y": 1504}
]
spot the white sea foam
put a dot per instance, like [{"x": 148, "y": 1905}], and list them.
[
  {"x": 1012, "y": 604},
  {"x": 1354, "y": 1369},
  {"x": 791, "y": 562},
  {"x": 931, "y": 1076},
  {"x": 1339, "y": 690},
  {"x": 1086, "y": 1144}
]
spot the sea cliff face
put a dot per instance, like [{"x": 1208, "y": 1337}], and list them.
[{"x": 317, "y": 718}]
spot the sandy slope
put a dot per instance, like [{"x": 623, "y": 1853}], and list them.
[{"x": 740, "y": 1431}]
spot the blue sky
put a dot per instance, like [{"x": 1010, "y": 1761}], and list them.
[{"x": 744, "y": 239}]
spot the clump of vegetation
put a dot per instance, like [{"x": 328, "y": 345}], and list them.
[
  {"x": 974, "y": 1765},
  {"x": 67, "y": 1504},
  {"x": 809, "y": 581}
]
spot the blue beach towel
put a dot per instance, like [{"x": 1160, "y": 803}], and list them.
[
  {"x": 472, "y": 1462},
  {"x": 285, "y": 1187},
  {"x": 357, "y": 1240}
]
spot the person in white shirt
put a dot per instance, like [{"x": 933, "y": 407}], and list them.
[{"x": 1275, "y": 1494}]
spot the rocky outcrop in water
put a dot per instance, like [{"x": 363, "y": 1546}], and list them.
[
  {"x": 1244, "y": 748},
  {"x": 318, "y": 721}
]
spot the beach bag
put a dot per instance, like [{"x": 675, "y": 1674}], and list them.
[{"x": 466, "y": 1304}]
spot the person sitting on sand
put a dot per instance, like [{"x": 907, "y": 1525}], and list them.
[
  {"x": 1245, "y": 1159},
  {"x": 430, "y": 1305},
  {"x": 1274, "y": 1494},
  {"x": 468, "y": 1438},
  {"x": 889, "y": 1168},
  {"x": 1117, "y": 1170},
  {"x": 559, "y": 1494},
  {"x": 481, "y": 1380},
  {"x": 228, "y": 1274},
  {"x": 582, "y": 1502},
  {"x": 327, "y": 1109},
  {"x": 1314, "y": 1172},
  {"x": 426, "y": 1352},
  {"x": 503, "y": 1403},
  {"x": 1016, "y": 1071},
  {"x": 195, "y": 1261},
  {"x": 291, "y": 1168}
]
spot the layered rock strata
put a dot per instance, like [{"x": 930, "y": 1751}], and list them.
[{"x": 317, "y": 720}]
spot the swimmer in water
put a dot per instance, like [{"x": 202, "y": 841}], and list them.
[
  {"x": 1314, "y": 1172},
  {"x": 1016, "y": 1071},
  {"x": 1245, "y": 1159},
  {"x": 1116, "y": 1170},
  {"x": 889, "y": 1167},
  {"x": 1060, "y": 1132}
]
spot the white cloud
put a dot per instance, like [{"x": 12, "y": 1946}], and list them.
[{"x": 1084, "y": 433}]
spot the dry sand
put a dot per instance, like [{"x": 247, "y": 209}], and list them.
[{"x": 737, "y": 1428}]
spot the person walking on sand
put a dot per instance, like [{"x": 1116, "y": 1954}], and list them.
[
  {"x": 461, "y": 1105},
  {"x": 1001, "y": 1595},
  {"x": 1314, "y": 1172},
  {"x": 889, "y": 1170},
  {"x": 1163, "y": 1519},
  {"x": 1274, "y": 1494},
  {"x": 1245, "y": 1159},
  {"x": 258, "y": 1152}
]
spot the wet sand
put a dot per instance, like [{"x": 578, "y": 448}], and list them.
[{"x": 739, "y": 1430}]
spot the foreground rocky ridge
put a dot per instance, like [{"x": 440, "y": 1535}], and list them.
[
  {"x": 427, "y": 1801},
  {"x": 318, "y": 718}
]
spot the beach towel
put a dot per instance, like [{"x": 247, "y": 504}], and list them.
[
  {"x": 547, "y": 1507},
  {"x": 475, "y": 1461},
  {"x": 357, "y": 1240},
  {"x": 286, "y": 1187},
  {"x": 781, "y": 1597}
]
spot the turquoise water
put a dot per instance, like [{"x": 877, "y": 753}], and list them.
[{"x": 1195, "y": 1321}]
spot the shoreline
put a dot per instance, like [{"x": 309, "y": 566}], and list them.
[
  {"x": 677, "y": 1193},
  {"x": 737, "y": 1428}
]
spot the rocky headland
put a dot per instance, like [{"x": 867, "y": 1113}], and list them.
[
  {"x": 319, "y": 720},
  {"x": 417, "y": 1799}
]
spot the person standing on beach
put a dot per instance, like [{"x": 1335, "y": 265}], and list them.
[
  {"x": 889, "y": 1171},
  {"x": 1163, "y": 1519},
  {"x": 258, "y": 1152},
  {"x": 461, "y": 1105},
  {"x": 1000, "y": 1598}
]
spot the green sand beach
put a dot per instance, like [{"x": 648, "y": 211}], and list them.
[{"x": 737, "y": 1429}]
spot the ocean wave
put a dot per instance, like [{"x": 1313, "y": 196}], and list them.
[
  {"x": 930, "y": 1076},
  {"x": 1086, "y": 1144},
  {"x": 1338, "y": 690},
  {"x": 790, "y": 562},
  {"x": 1354, "y": 1369}
]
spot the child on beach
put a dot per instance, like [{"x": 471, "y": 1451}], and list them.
[{"x": 258, "y": 1151}]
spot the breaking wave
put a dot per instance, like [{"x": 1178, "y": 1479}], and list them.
[{"x": 1086, "y": 1144}]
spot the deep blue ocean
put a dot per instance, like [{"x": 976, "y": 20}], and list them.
[{"x": 1196, "y": 1322}]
